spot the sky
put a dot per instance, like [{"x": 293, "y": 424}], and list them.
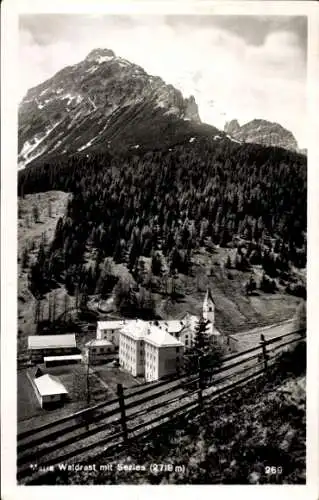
[{"x": 237, "y": 67}]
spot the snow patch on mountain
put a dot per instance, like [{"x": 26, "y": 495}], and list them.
[
  {"x": 233, "y": 140},
  {"x": 44, "y": 92},
  {"x": 99, "y": 92},
  {"x": 123, "y": 62},
  {"x": 31, "y": 150},
  {"x": 92, "y": 69},
  {"x": 71, "y": 98},
  {"x": 87, "y": 145},
  {"x": 102, "y": 59}
]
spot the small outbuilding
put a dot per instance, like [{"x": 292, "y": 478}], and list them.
[
  {"x": 71, "y": 359},
  {"x": 98, "y": 351},
  {"x": 41, "y": 346},
  {"x": 48, "y": 389}
]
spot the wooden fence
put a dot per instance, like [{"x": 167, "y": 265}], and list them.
[{"x": 137, "y": 411}]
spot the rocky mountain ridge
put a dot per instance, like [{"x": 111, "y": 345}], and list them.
[
  {"x": 262, "y": 132},
  {"x": 88, "y": 104}
]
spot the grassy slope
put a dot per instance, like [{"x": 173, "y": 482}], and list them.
[
  {"x": 258, "y": 426},
  {"x": 29, "y": 231},
  {"x": 234, "y": 310}
]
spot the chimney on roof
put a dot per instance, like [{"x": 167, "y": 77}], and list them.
[{"x": 38, "y": 373}]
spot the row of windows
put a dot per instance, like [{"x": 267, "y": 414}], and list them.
[
  {"x": 150, "y": 372},
  {"x": 150, "y": 355},
  {"x": 126, "y": 346},
  {"x": 105, "y": 332},
  {"x": 101, "y": 349},
  {"x": 127, "y": 350},
  {"x": 107, "y": 337},
  {"x": 128, "y": 356}
]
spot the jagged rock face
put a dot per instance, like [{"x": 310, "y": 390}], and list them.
[
  {"x": 262, "y": 132},
  {"x": 87, "y": 104},
  {"x": 191, "y": 112},
  {"x": 232, "y": 127}
]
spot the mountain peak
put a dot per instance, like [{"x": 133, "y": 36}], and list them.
[
  {"x": 97, "y": 54},
  {"x": 261, "y": 131},
  {"x": 232, "y": 126},
  {"x": 95, "y": 104}
]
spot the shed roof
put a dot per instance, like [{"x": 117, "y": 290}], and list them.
[
  {"x": 49, "y": 385},
  {"x": 63, "y": 358},
  {"x": 51, "y": 341}
]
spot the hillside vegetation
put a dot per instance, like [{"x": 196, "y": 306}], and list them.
[
  {"x": 167, "y": 205},
  {"x": 37, "y": 218}
]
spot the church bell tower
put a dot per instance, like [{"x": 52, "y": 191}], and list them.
[{"x": 209, "y": 307}]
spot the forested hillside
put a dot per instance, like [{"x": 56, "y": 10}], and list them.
[{"x": 165, "y": 204}]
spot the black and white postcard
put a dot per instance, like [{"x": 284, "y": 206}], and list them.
[{"x": 159, "y": 271}]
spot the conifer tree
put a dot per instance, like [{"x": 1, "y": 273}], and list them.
[{"x": 201, "y": 338}]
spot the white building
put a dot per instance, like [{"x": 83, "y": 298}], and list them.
[
  {"x": 99, "y": 351},
  {"x": 187, "y": 334},
  {"x": 173, "y": 327},
  {"x": 48, "y": 388},
  {"x": 163, "y": 354},
  {"x": 209, "y": 309},
  {"x": 131, "y": 347},
  {"x": 109, "y": 330},
  {"x": 62, "y": 360},
  {"x": 149, "y": 350},
  {"x": 154, "y": 349}
]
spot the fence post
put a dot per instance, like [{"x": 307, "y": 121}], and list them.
[
  {"x": 122, "y": 410},
  {"x": 200, "y": 382},
  {"x": 264, "y": 351}
]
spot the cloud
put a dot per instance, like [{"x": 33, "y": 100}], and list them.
[{"x": 232, "y": 72}]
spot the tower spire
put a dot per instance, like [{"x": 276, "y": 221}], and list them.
[{"x": 209, "y": 307}]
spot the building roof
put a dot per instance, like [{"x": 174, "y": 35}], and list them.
[
  {"x": 51, "y": 341},
  {"x": 62, "y": 358},
  {"x": 111, "y": 325},
  {"x": 211, "y": 330},
  {"x": 173, "y": 326},
  {"x": 161, "y": 338},
  {"x": 209, "y": 296},
  {"x": 136, "y": 329},
  {"x": 49, "y": 385},
  {"x": 190, "y": 321},
  {"x": 98, "y": 342}
]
